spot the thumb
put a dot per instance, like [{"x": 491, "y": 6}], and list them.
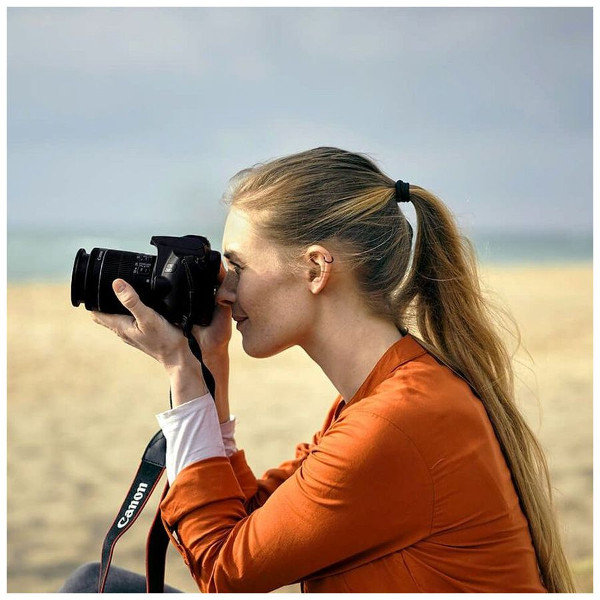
[{"x": 130, "y": 299}]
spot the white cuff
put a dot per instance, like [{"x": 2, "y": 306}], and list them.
[
  {"x": 228, "y": 435},
  {"x": 192, "y": 432}
]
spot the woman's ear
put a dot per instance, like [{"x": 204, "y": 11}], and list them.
[{"x": 319, "y": 266}]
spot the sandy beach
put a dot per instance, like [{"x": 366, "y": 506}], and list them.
[{"x": 81, "y": 408}]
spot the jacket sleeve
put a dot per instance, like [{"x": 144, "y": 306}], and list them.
[
  {"x": 364, "y": 491},
  {"x": 257, "y": 491}
]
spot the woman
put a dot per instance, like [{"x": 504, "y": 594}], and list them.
[{"x": 424, "y": 477}]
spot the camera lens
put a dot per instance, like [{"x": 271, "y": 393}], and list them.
[
  {"x": 78, "y": 276},
  {"x": 94, "y": 273}
]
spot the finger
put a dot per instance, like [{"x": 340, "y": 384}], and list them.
[
  {"x": 220, "y": 312},
  {"x": 130, "y": 299},
  {"x": 117, "y": 323},
  {"x": 223, "y": 311}
]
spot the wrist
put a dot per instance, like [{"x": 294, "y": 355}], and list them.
[
  {"x": 178, "y": 359},
  {"x": 218, "y": 365},
  {"x": 216, "y": 361},
  {"x": 187, "y": 382}
]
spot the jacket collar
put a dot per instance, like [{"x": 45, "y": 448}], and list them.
[{"x": 404, "y": 350}]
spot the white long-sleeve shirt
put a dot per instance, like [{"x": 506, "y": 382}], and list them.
[{"x": 193, "y": 433}]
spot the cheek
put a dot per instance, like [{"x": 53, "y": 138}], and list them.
[
  {"x": 280, "y": 318},
  {"x": 277, "y": 307},
  {"x": 260, "y": 294},
  {"x": 285, "y": 315}
]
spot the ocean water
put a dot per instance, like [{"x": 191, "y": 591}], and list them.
[{"x": 47, "y": 256}]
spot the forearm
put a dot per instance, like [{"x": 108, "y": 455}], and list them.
[
  {"x": 192, "y": 432},
  {"x": 218, "y": 365},
  {"x": 187, "y": 381},
  {"x": 192, "y": 426}
]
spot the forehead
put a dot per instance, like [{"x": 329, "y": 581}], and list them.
[
  {"x": 239, "y": 235},
  {"x": 242, "y": 239}
]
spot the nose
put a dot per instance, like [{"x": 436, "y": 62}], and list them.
[{"x": 226, "y": 293}]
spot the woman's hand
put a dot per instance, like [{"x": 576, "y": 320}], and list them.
[
  {"x": 214, "y": 338},
  {"x": 146, "y": 329}
]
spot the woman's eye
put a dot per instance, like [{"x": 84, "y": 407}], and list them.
[{"x": 236, "y": 268}]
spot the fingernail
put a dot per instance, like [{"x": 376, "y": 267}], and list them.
[{"x": 119, "y": 285}]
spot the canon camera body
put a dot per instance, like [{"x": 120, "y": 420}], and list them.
[{"x": 179, "y": 283}]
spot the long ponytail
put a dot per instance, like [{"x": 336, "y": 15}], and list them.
[{"x": 456, "y": 325}]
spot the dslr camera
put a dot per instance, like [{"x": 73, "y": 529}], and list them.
[{"x": 179, "y": 283}]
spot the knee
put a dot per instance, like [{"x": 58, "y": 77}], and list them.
[{"x": 83, "y": 579}]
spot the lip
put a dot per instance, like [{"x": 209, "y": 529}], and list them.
[{"x": 239, "y": 321}]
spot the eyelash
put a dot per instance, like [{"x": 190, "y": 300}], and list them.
[{"x": 236, "y": 267}]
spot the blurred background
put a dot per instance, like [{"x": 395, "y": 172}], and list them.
[{"x": 128, "y": 123}]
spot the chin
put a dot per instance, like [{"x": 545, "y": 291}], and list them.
[
  {"x": 257, "y": 351},
  {"x": 262, "y": 350}
]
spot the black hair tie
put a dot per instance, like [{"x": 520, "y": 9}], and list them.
[{"x": 402, "y": 191}]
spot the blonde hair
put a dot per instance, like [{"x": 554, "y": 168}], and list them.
[{"x": 330, "y": 195}]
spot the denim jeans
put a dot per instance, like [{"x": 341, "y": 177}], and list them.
[{"x": 85, "y": 580}]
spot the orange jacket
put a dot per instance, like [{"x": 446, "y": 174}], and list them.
[{"x": 405, "y": 489}]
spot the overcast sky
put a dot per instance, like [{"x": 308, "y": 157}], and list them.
[{"x": 138, "y": 117}]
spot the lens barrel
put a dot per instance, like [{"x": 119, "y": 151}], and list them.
[
  {"x": 78, "y": 276},
  {"x": 93, "y": 274}
]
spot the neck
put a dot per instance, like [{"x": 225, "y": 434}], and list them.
[{"x": 348, "y": 345}]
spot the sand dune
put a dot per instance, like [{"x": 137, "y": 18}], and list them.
[{"x": 81, "y": 408}]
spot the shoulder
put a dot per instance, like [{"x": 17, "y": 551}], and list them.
[
  {"x": 366, "y": 444},
  {"x": 363, "y": 453},
  {"x": 424, "y": 402}
]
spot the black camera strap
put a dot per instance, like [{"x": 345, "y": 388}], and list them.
[{"x": 145, "y": 481}]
